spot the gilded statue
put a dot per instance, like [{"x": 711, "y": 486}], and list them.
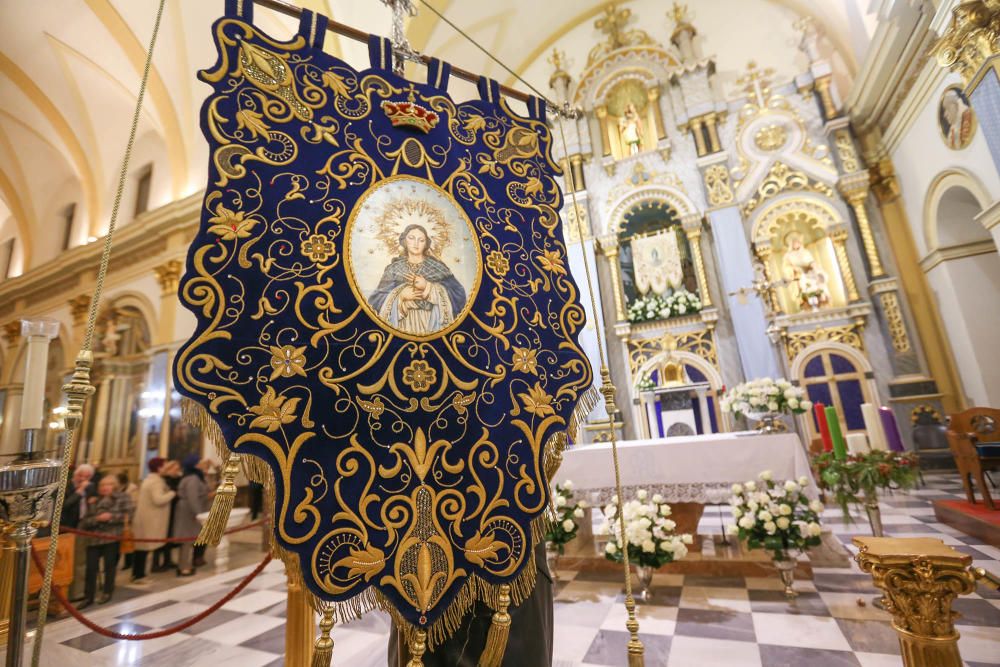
[
  {"x": 800, "y": 268},
  {"x": 630, "y": 127}
]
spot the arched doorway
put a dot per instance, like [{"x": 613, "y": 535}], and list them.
[
  {"x": 963, "y": 271},
  {"x": 838, "y": 375}
]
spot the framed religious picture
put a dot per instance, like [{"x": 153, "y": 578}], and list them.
[{"x": 956, "y": 118}]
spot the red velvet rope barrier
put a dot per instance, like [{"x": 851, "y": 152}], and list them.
[
  {"x": 75, "y": 613},
  {"x": 168, "y": 540}
]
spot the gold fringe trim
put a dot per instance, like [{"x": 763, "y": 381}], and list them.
[
  {"x": 584, "y": 406},
  {"x": 499, "y": 632},
  {"x": 256, "y": 470},
  {"x": 225, "y": 497},
  {"x": 195, "y": 415}
]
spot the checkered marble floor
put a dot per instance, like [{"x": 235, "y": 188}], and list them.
[{"x": 691, "y": 621}]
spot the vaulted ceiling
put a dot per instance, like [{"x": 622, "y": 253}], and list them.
[{"x": 70, "y": 69}]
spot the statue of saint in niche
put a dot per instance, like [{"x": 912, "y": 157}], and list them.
[
  {"x": 630, "y": 127},
  {"x": 809, "y": 282}
]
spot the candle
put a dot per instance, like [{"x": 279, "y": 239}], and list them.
[
  {"x": 833, "y": 423},
  {"x": 857, "y": 443},
  {"x": 873, "y": 426},
  {"x": 891, "y": 428},
  {"x": 824, "y": 429},
  {"x": 37, "y": 333}
]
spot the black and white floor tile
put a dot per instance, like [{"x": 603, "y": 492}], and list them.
[{"x": 691, "y": 621}]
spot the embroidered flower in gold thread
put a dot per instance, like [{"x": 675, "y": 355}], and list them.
[
  {"x": 525, "y": 360},
  {"x": 537, "y": 402},
  {"x": 273, "y": 411},
  {"x": 253, "y": 121},
  {"x": 287, "y": 361},
  {"x": 551, "y": 261},
  {"x": 419, "y": 376},
  {"x": 317, "y": 248},
  {"x": 230, "y": 225},
  {"x": 498, "y": 263}
]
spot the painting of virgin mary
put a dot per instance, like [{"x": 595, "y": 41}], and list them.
[{"x": 418, "y": 293}]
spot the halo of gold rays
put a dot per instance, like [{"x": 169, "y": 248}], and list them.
[{"x": 412, "y": 211}]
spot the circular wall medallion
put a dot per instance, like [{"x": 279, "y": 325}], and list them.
[
  {"x": 412, "y": 257},
  {"x": 956, "y": 119}
]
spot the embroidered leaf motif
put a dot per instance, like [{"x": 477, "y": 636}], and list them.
[
  {"x": 552, "y": 262},
  {"x": 335, "y": 82},
  {"x": 273, "y": 411},
  {"x": 367, "y": 562},
  {"x": 251, "y": 120},
  {"x": 537, "y": 402},
  {"x": 480, "y": 549},
  {"x": 374, "y": 408},
  {"x": 461, "y": 402},
  {"x": 230, "y": 225},
  {"x": 533, "y": 186},
  {"x": 475, "y": 123}
]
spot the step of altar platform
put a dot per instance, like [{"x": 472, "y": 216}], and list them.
[{"x": 976, "y": 520}]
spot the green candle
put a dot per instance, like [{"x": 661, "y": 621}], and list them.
[{"x": 839, "y": 446}]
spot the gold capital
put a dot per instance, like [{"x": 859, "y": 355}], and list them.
[
  {"x": 971, "y": 39},
  {"x": 168, "y": 275},
  {"x": 12, "y": 332},
  {"x": 79, "y": 306}
]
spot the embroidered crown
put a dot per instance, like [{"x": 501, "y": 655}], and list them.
[{"x": 410, "y": 114}]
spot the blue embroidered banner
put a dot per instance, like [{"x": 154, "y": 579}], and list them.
[{"x": 384, "y": 316}]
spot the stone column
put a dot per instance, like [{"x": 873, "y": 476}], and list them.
[
  {"x": 854, "y": 188},
  {"x": 691, "y": 224},
  {"x": 920, "y": 579},
  {"x": 839, "y": 239},
  {"x": 699, "y": 137},
  {"x": 609, "y": 246},
  {"x": 168, "y": 275},
  {"x": 823, "y": 90}
]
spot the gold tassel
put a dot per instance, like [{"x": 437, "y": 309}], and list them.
[
  {"x": 418, "y": 646},
  {"x": 225, "y": 498},
  {"x": 323, "y": 652},
  {"x": 496, "y": 638}
]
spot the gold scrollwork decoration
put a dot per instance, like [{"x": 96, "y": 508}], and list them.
[
  {"x": 720, "y": 192},
  {"x": 782, "y": 178},
  {"x": 848, "y": 334}
]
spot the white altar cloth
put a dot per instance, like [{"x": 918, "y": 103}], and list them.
[{"x": 697, "y": 468}]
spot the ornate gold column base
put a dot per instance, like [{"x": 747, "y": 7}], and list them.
[
  {"x": 920, "y": 651},
  {"x": 921, "y": 577},
  {"x": 300, "y": 627}
]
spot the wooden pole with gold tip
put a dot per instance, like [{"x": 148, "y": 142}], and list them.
[
  {"x": 300, "y": 627},
  {"x": 920, "y": 578}
]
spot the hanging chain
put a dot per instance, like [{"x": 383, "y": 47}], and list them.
[
  {"x": 400, "y": 44},
  {"x": 79, "y": 387},
  {"x": 635, "y": 648}
]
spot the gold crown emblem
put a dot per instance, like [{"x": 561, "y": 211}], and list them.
[{"x": 410, "y": 114}]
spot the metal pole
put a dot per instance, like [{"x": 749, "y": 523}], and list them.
[{"x": 21, "y": 536}]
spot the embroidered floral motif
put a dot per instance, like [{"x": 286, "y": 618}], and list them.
[
  {"x": 419, "y": 376},
  {"x": 230, "y": 225},
  {"x": 552, "y": 262},
  {"x": 498, "y": 263},
  {"x": 287, "y": 361},
  {"x": 317, "y": 248},
  {"x": 273, "y": 411},
  {"x": 525, "y": 360},
  {"x": 537, "y": 402}
]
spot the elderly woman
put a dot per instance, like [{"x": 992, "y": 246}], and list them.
[
  {"x": 152, "y": 517},
  {"x": 192, "y": 500},
  {"x": 106, "y": 513}
]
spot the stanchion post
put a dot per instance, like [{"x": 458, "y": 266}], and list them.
[
  {"x": 300, "y": 626},
  {"x": 920, "y": 578},
  {"x": 6, "y": 582}
]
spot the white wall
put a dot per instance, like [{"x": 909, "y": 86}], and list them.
[{"x": 967, "y": 291}]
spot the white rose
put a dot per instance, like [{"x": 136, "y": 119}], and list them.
[
  {"x": 767, "y": 475},
  {"x": 784, "y": 510},
  {"x": 609, "y": 511},
  {"x": 816, "y": 506},
  {"x": 649, "y": 546},
  {"x": 732, "y": 529},
  {"x": 751, "y": 485},
  {"x": 665, "y": 510},
  {"x": 611, "y": 548},
  {"x": 772, "y": 406},
  {"x": 764, "y": 515},
  {"x": 583, "y": 504},
  {"x": 793, "y": 403},
  {"x": 803, "y": 481},
  {"x": 769, "y": 527},
  {"x": 737, "y": 512},
  {"x": 789, "y": 394},
  {"x": 737, "y": 489},
  {"x": 560, "y": 501},
  {"x": 568, "y": 485},
  {"x": 614, "y": 499},
  {"x": 578, "y": 512},
  {"x": 791, "y": 486},
  {"x": 814, "y": 529},
  {"x": 753, "y": 505},
  {"x": 783, "y": 522},
  {"x": 668, "y": 545},
  {"x": 568, "y": 525},
  {"x": 687, "y": 539},
  {"x": 806, "y": 405},
  {"x": 746, "y": 521},
  {"x": 668, "y": 524},
  {"x": 657, "y": 498},
  {"x": 680, "y": 552}
]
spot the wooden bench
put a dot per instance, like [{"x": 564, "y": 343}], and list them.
[{"x": 974, "y": 439}]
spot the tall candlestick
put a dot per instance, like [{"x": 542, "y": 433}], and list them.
[
  {"x": 891, "y": 428},
  {"x": 873, "y": 426},
  {"x": 833, "y": 422},
  {"x": 37, "y": 334},
  {"x": 824, "y": 429}
]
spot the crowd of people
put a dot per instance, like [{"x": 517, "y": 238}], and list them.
[{"x": 165, "y": 505}]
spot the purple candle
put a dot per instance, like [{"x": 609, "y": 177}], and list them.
[{"x": 891, "y": 429}]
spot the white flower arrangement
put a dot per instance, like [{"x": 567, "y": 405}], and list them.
[
  {"x": 564, "y": 526},
  {"x": 645, "y": 383},
  {"x": 776, "y": 516},
  {"x": 765, "y": 395},
  {"x": 656, "y": 307},
  {"x": 649, "y": 531}
]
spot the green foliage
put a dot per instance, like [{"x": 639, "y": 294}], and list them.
[{"x": 861, "y": 476}]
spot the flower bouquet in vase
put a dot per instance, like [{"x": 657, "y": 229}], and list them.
[
  {"x": 649, "y": 533},
  {"x": 564, "y": 524},
  {"x": 764, "y": 401},
  {"x": 777, "y": 517}
]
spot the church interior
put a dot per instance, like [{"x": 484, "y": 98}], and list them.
[{"x": 437, "y": 332}]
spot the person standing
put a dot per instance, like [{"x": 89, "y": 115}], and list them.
[
  {"x": 192, "y": 500},
  {"x": 106, "y": 513},
  {"x": 162, "y": 557},
  {"x": 80, "y": 487},
  {"x": 152, "y": 517}
]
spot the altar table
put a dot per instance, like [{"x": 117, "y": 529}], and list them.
[{"x": 691, "y": 469}]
